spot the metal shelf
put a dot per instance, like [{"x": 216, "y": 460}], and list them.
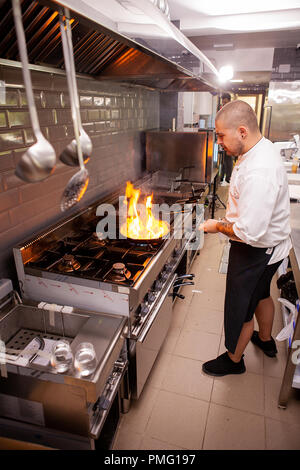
[
  {"x": 291, "y": 376},
  {"x": 285, "y": 313}
]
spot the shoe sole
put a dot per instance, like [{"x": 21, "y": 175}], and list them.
[{"x": 222, "y": 375}]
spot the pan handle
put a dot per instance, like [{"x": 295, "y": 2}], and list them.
[{"x": 185, "y": 276}]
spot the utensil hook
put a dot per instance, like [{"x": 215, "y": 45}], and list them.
[{"x": 66, "y": 37}]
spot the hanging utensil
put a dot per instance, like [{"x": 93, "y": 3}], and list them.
[
  {"x": 77, "y": 185},
  {"x": 39, "y": 161},
  {"x": 69, "y": 155}
]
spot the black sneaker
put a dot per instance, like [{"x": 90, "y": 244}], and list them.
[
  {"x": 223, "y": 365},
  {"x": 268, "y": 347}
]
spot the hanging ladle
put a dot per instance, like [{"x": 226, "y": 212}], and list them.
[
  {"x": 39, "y": 161},
  {"x": 69, "y": 155},
  {"x": 77, "y": 185}
]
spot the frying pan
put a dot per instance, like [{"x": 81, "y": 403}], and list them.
[{"x": 145, "y": 241}]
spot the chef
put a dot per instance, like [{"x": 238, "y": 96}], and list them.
[{"x": 257, "y": 224}]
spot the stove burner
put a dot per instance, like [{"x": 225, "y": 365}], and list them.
[
  {"x": 95, "y": 242},
  {"x": 119, "y": 272},
  {"x": 68, "y": 264}
]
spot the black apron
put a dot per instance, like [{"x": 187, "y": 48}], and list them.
[{"x": 248, "y": 281}]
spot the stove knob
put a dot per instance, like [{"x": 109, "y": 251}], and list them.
[
  {"x": 158, "y": 285},
  {"x": 151, "y": 297},
  {"x": 164, "y": 276},
  {"x": 144, "y": 309},
  {"x": 168, "y": 267},
  {"x": 177, "y": 251}
]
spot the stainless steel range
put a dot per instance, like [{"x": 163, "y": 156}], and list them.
[{"x": 69, "y": 264}]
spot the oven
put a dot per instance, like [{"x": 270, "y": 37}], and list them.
[
  {"x": 103, "y": 418},
  {"x": 148, "y": 337}
]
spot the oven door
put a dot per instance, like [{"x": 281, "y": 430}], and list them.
[{"x": 152, "y": 337}]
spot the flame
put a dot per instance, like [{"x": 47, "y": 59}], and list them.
[{"x": 136, "y": 227}]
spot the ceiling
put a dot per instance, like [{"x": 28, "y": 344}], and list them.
[
  {"x": 242, "y": 34},
  {"x": 228, "y": 32},
  {"x": 199, "y": 18}
]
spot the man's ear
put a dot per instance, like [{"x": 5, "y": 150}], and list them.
[{"x": 243, "y": 131}]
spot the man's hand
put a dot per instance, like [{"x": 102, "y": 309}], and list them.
[
  {"x": 223, "y": 226},
  {"x": 209, "y": 226}
]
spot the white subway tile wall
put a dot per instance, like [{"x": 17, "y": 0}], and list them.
[{"x": 114, "y": 115}]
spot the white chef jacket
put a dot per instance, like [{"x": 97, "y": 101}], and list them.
[{"x": 258, "y": 200}]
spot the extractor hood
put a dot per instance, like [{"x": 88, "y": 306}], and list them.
[{"x": 130, "y": 41}]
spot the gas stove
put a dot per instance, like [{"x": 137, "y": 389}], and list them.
[
  {"x": 71, "y": 264},
  {"x": 84, "y": 255}
]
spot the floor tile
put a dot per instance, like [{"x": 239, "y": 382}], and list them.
[
  {"x": 180, "y": 311},
  {"x": 254, "y": 359},
  {"x": 171, "y": 339},
  {"x": 210, "y": 281},
  {"x": 207, "y": 300},
  {"x": 185, "y": 376},
  {"x": 209, "y": 264},
  {"x": 127, "y": 440},
  {"x": 230, "y": 429},
  {"x": 244, "y": 392},
  {"x": 138, "y": 416},
  {"x": 178, "y": 420},
  {"x": 281, "y": 435},
  {"x": 275, "y": 366},
  {"x": 197, "y": 345},
  {"x": 159, "y": 370},
  {"x": 148, "y": 443},
  {"x": 272, "y": 389},
  {"x": 209, "y": 321}
]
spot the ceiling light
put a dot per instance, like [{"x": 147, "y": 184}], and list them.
[
  {"x": 232, "y": 7},
  {"x": 236, "y": 80},
  {"x": 130, "y": 7},
  {"x": 225, "y": 73},
  {"x": 216, "y": 46}
]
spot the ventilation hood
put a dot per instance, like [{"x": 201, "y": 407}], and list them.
[{"x": 128, "y": 41}]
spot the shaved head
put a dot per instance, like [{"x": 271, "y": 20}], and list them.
[
  {"x": 238, "y": 113},
  {"x": 236, "y": 128}
]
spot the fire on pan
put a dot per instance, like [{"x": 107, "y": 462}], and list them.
[{"x": 141, "y": 228}]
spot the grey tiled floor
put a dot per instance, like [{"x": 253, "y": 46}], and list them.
[{"x": 182, "y": 408}]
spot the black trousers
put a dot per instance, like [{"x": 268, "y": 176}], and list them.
[
  {"x": 226, "y": 168},
  {"x": 248, "y": 281}
]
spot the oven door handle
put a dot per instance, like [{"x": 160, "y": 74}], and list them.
[
  {"x": 157, "y": 308},
  {"x": 185, "y": 276},
  {"x": 109, "y": 396}
]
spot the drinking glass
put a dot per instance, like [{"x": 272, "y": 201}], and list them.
[
  {"x": 85, "y": 359},
  {"x": 62, "y": 356}
]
